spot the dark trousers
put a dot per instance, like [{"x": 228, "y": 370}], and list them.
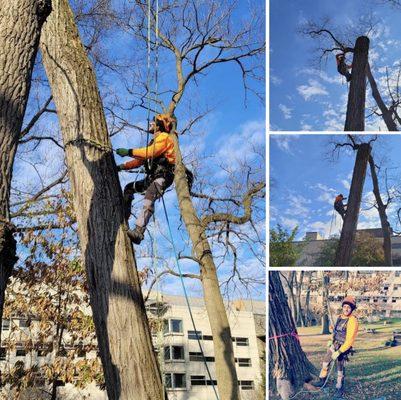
[{"x": 154, "y": 188}]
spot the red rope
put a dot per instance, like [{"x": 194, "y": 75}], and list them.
[{"x": 294, "y": 334}]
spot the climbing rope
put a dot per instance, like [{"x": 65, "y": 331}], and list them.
[
  {"x": 315, "y": 391},
  {"x": 151, "y": 165},
  {"x": 187, "y": 299},
  {"x": 331, "y": 223}
]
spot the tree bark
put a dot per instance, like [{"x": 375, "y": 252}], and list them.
[
  {"x": 355, "y": 118},
  {"x": 325, "y": 301},
  {"x": 289, "y": 366},
  {"x": 345, "y": 245},
  {"x": 298, "y": 291},
  {"x": 381, "y": 208},
  {"x": 125, "y": 345},
  {"x": 227, "y": 380},
  {"x": 386, "y": 113},
  {"x": 20, "y": 25}
]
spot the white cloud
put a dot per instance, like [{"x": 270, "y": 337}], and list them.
[
  {"x": 314, "y": 88},
  {"x": 284, "y": 142},
  {"x": 285, "y": 110},
  {"x": 275, "y": 80}
]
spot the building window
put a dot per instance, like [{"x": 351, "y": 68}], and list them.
[
  {"x": 197, "y": 356},
  {"x": 207, "y": 337},
  {"x": 174, "y": 353},
  {"x": 3, "y": 353},
  {"x": 246, "y": 385},
  {"x": 20, "y": 353},
  {"x": 175, "y": 381},
  {"x": 394, "y": 300},
  {"x": 200, "y": 380},
  {"x": 5, "y": 325},
  {"x": 397, "y": 274},
  {"x": 23, "y": 323},
  {"x": 241, "y": 341},
  {"x": 173, "y": 326},
  {"x": 243, "y": 362},
  {"x": 192, "y": 335}
]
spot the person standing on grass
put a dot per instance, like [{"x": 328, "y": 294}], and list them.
[{"x": 344, "y": 335}]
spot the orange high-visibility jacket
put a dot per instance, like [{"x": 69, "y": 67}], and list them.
[{"x": 163, "y": 145}]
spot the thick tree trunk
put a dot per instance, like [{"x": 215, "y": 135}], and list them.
[
  {"x": 345, "y": 245},
  {"x": 289, "y": 367},
  {"x": 227, "y": 380},
  {"x": 325, "y": 301},
  {"x": 129, "y": 363},
  {"x": 386, "y": 113},
  {"x": 355, "y": 118},
  {"x": 381, "y": 207},
  {"x": 298, "y": 291},
  {"x": 20, "y": 25}
]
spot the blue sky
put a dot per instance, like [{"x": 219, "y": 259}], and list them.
[
  {"x": 305, "y": 180},
  {"x": 305, "y": 95},
  {"x": 231, "y": 134}
]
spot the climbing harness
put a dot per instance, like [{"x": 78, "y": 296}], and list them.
[{"x": 187, "y": 299}]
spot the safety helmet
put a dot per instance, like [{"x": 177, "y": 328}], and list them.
[
  {"x": 341, "y": 195},
  {"x": 167, "y": 121},
  {"x": 350, "y": 300}
]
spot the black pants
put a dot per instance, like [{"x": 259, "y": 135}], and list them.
[
  {"x": 340, "y": 209},
  {"x": 154, "y": 188}
]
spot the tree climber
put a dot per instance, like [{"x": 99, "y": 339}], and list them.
[
  {"x": 158, "y": 158},
  {"x": 342, "y": 67},
  {"x": 339, "y": 206},
  {"x": 344, "y": 335}
]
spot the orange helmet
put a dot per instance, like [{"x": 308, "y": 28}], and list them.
[
  {"x": 350, "y": 300},
  {"x": 167, "y": 120}
]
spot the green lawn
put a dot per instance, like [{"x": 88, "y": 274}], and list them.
[{"x": 374, "y": 372}]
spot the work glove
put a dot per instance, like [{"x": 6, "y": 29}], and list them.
[
  {"x": 120, "y": 167},
  {"x": 335, "y": 355},
  {"x": 329, "y": 343},
  {"x": 122, "y": 152}
]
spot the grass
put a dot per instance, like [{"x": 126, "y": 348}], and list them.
[{"x": 374, "y": 372}]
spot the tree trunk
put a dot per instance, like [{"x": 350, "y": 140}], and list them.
[
  {"x": 300, "y": 318},
  {"x": 126, "y": 351},
  {"x": 289, "y": 367},
  {"x": 355, "y": 118},
  {"x": 386, "y": 113},
  {"x": 381, "y": 207},
  {"x": 345, "y": 245},
  {"x": 20, "y": 25},
  {"x": 227, "y": 380},
  {"x": 325, "y": 301}
]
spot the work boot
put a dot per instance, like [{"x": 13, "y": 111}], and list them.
[
  {"x": 339, "y": 392},
  {"x": 136, "y": 235},
  {"x": 320, "y": 383}
]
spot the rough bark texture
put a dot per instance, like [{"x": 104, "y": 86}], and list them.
[
  {"x": 227, "y": 380},
  {"x": 125, "y": 345},
  {"x": 20, "y": 25},
  {"x": 355, "y": 118},
  {"x": 289, "y": 367},
  {"x": 381, "y": 208},
  {"x": 387, "y": 115},
  {"x": 345, "y": 245}
]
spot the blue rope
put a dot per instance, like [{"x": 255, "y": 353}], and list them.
[{"x": 187, "y": 299}]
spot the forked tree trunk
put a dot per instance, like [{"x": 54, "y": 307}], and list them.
[
  {"x": 227, "y": 381},
  {"x": 20, "y": 25},
  {"x": 289, "y": 367},
  {"x": 125, "y": 345},
  {"x": 345, "y": 245},
  {"x": 355, "y": 118},
  {"x": 381, "y": 207},
  {"x": 387, "y": 115}
]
